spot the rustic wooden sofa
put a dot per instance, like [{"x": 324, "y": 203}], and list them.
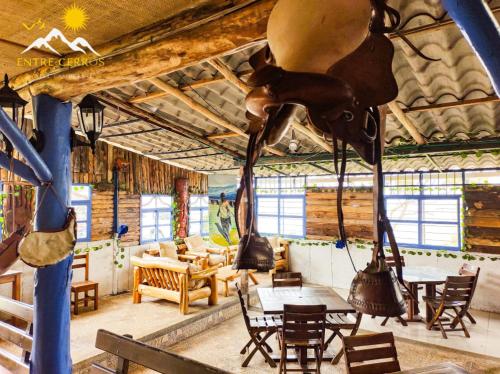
[
  {"x": 197, "y": 246},
  {"x": 174, "y": 281}
]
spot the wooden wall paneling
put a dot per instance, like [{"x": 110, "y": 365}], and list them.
[
  {"x": 482, "y": 219},
  {"x": 321, "y": 213}
]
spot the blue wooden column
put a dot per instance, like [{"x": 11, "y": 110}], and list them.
[
  {"x": 480, "y": 27},
  {"x": 51, "y": 342}
]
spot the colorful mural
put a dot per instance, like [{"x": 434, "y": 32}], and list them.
[{"x": 222, "y": 195}]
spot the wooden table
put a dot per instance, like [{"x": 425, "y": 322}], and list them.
[
  {"x": 429, "y": 276},
  {"x": 273, "y": 300},
  {"x": 226, "y": 274},
  {"x": 444, "y": 368},
  {"x": 14, "y": 277}
]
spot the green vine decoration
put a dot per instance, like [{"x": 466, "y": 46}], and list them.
[{"x": 361, "y": 244}]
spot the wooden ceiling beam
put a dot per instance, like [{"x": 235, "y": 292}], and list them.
[
  {"x": 224, "y": 135},
  {"x": 453, "y": 104},
  {"x": 193, "y": 104},
  {"x": 157, "y": 94},
  {"x": 181, "y": 42},
  {"x": 406, "y": 122},
  {"x": 158, "y": 121}
]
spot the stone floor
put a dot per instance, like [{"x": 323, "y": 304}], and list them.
[
  {"x": 220, "y": 347},
  {"x": 119, "y": 315}
]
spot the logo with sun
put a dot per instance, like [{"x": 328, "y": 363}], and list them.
[{"x": 75, "y": 18}]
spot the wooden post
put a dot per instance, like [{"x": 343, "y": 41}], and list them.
[{"x": 182, "y": 200}]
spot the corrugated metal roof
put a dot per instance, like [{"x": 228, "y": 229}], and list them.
[{"x": 458, "y": 75}]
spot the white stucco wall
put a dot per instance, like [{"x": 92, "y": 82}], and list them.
[
  {"x": 329, "y": 266},
  {"x": 100, "y": 267}
]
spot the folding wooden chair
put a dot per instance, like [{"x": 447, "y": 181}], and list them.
[
  {"x": 456, "y": 297},
  {"x": 303, "y": 328},
  {"x": 287, "y": 279},
  {"x": 341, "y": 321},
  {"x": 470, "y": 270},
  {"x": 267, "y": 325},
  {"x": 373, "y": 354}
]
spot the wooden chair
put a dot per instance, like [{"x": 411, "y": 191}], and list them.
[
  {"x": 281, "y": 250},
  {"x": 373, "y": 354},
  {"x": 303, "y": 328},
  {"x": 267, "y": 325},
  {"x": 21, "y": 337},
  {"x": 129, "y": 350},
  {"x": 470, "y": 270},
  {"x": 288, "y": 279},
  {"x": 83, "y": 286},
  {"x": 389, "y": 260},
  {"x": 456, "y": 297},
  {"x": 341, "y": 321}
]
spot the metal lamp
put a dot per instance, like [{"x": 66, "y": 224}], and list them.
[
  {"x": 11, "y": 102},
  {"x": 91, "y": 118}
]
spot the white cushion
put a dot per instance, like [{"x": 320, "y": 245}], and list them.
[{"x": 168, "y": 249}]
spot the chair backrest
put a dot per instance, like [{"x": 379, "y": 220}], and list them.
[
  {"x": 243, "y": 306},
  {"x": 459, "y": 288},
  {"x": 288, "y": 279},
  {"x": 389, "y": 260},
  {"x": 82, "y": 261},
  {"x": 373, "y": 353},
  {"x": 303, "y": 322},
  {"x": 129, "y": 350}
]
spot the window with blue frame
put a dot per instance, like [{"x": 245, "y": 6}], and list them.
[
  {"x": 424, "y": 209},
  {"x": 156, "y": 218},
  {"x": 280, "y": 203},
  {"x": 198, "y": 215},
  {"x": 81, "y": 201}
]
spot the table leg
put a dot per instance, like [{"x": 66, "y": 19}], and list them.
[{"x": 430, "y": 291}]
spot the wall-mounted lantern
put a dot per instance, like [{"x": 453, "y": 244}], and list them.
[
  {"x": 91, "y": 118},
  {"x": 13, "y": 104}
]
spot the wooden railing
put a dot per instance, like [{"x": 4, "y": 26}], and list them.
[
  {"x": 15, "y": 335},
  {"x": 130, "y": 350}
]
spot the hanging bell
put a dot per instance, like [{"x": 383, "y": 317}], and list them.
[
  {"x": 254, "y": 252},
  {"x": 377, "y": 292}
]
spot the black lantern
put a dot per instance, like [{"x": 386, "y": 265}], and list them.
[
  {"x": 12, "y": 103},
  {"x": 91, "y": 119}
]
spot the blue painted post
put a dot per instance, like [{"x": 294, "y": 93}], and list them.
[
  {"x": 480, "y": 27},
  {"x": 51, "y": 342}
]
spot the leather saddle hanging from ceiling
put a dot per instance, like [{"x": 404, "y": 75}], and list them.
[{"x": 333, "y": 59}]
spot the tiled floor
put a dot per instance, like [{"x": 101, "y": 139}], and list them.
[
  {"x": 485, "y": 335},
  {"x": 119, "y": 315}
]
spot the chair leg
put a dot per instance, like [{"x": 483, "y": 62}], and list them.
[
  {"x": 258, "y": 346},
  {"x": 75, "y": 310},
  {"x": 245, "y": 348},
  {"x": 282, "y": 361},
  {"x": 384, "y": 321},
  {"x": 402, "y": 321},
  {"x": 459, "y": 317},
  {"x": 96, "y": 297},
  {"x": 86, "y": 299},
  {"x": 471, "y": 319}
]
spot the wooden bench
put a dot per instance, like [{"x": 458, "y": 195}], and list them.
[
  {"x": 15, "y": 335},
  {"x": 226, "y": 274},
  {"x": 130, "y": 350}
]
